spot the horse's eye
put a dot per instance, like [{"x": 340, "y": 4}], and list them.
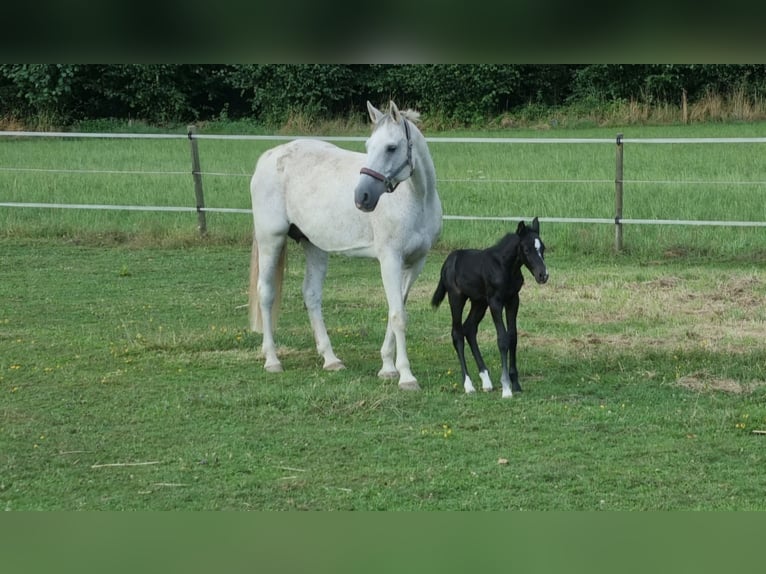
[{"x": 391, "y": 148}]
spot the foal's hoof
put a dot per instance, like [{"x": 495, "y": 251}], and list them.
[
  {"x": 409, "y": 386},
  {"x": 336, "y": 366}
]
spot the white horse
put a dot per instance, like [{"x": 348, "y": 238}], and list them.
[{"x": 329, "y": 199}]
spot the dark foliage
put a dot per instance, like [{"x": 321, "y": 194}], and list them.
[{"x": 271, "y": 93}]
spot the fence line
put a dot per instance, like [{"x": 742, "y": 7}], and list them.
[
  {"x": 201, "y": 209},
  {"x": 364, "y": 138},
  {"x": 445, "y": 180},
  {"x": 94, "y": 171},
  {"x": 502, "y": 218}
]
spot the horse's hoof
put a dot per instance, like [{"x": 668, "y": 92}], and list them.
[
  {"x": 507, "y": 395},
  {"x": 409, "y": 386},
  {"x": 277, "y": 368},
  {"x": 336, "y": 366},
  {"x": 386, "y": 374}
]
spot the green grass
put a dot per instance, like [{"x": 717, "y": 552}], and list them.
[{"x": 642, "y": 386}]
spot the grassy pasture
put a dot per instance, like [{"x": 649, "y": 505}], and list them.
[
  {"x": 128, "y": 379},
  {"x": 642, "y": 386}
]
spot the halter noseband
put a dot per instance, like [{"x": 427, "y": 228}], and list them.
[{"x": 389, "y": 182}]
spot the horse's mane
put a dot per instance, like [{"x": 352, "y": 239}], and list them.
[{"x": 412, "y": 115}]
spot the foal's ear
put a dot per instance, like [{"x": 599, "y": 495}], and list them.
[
  {"x": 375, "y": 113},
  {"x": 535, "y": 225},
  {"x": 394, "y": 111},
  {"x": 521, "y": 229}
]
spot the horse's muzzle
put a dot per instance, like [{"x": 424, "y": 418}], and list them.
[
  {"x": 368, "y": 193},
  {"x": 541, "y": 276}
]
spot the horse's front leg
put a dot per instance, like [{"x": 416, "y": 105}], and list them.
[
  {"x": 316, "y": 271},
  {"x": 503, "y": 343},
  {"x": 397, "y": 283},
  {"x": 511, "y": 312}
]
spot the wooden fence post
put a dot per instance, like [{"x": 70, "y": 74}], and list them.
[
  {"x": 197, "y": 175},
  {"x": 618, "y": 196}
]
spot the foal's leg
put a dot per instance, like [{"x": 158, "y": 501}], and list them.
[
  {"x": 456, "y": 304},
  {"x": 269, "y": 252},
  {"x": 503, "y": 342},
  {"x": 471, "y": 328},
  {"x": 397, "y": 287},
  {"x": 316, "y": 271},
  {"x": 511, "y": 311}
]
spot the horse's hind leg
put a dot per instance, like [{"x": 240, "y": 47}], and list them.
[
  {"x": 456, "y": 304},
  {"x": 471, "y": 328},
  {"x": 316, "y": 271},
  {"x": 271, "y": 261}
]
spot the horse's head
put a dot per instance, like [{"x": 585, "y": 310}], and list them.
[
  {"x": 533, "y": 250},
  {"x": 389, "y": 157}
]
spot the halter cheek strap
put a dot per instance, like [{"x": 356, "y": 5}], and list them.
[{"x": 389, "y": 182}]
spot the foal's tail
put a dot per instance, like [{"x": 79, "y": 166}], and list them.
[
  {"x": 254, "y": 303},
  {"x": 439, "y": 294}
]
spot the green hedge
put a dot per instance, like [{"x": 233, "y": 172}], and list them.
[{"x": 270, "y": 93}]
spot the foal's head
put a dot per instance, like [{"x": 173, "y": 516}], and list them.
[{"x": 532, "y": 250}]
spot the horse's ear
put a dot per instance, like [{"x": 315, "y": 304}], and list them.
[
  {"x": 394, "y": 111},
  {"x": 521, "y": 229},
  {"x": 375, "y": 113},
  {"x": 536, "y": 225}
]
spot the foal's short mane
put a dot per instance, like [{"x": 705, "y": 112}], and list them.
[{"x": 509, "y": 240}]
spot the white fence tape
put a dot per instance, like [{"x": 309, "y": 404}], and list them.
[{"x": 449, "y": 140}]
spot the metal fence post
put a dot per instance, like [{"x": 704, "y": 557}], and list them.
[
  {"x": 618, "y": 196},
  {"x": 197, "y": 175}
]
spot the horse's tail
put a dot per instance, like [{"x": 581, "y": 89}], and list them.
[
  {"x": 254, "y": 303},
  {"x": 439, "y": 294}
]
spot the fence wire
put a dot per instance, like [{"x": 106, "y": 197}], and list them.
[{"x": 449, "y": 140}]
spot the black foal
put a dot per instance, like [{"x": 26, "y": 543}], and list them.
[{"x": 491, "y": 278}]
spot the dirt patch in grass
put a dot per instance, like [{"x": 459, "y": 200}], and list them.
[
  {"x": 703, "y": 381},
  {"x": 702, "y": 309}
]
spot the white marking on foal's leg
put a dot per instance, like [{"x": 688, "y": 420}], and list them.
[
  {"x": 486, "y": 383},
  {"x": 507, "y": 392},
  {"x": 468, "y": 385}
]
